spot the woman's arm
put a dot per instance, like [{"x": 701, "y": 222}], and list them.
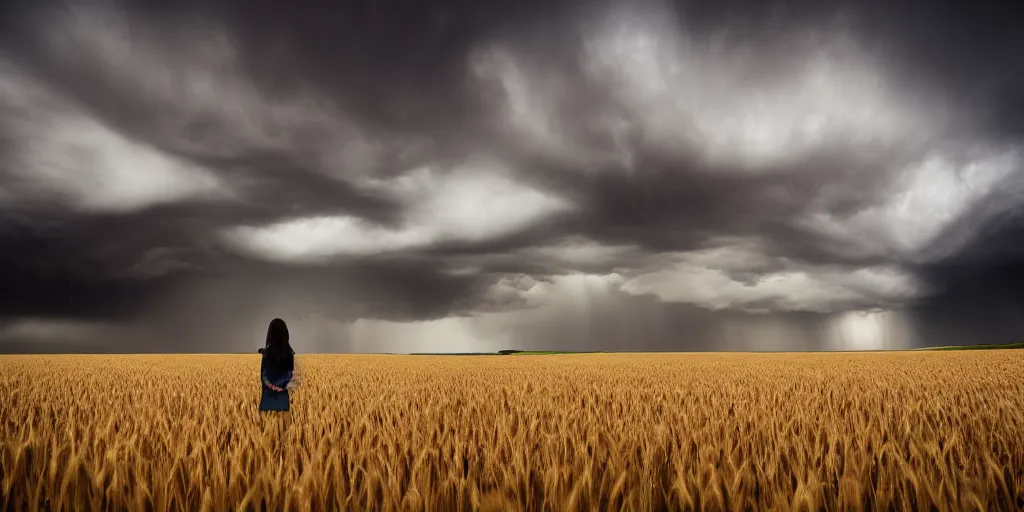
[
  {"x": 280, "y": 381},
  {"x": 272, "y": 387}
]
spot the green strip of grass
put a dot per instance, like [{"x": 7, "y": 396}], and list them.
[
  {"x": 551, "y": 352},
  {"x": 453, "y": 354}
]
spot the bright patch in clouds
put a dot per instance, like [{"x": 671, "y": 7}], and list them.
[
  {"x": 868, "y": 330},
  {"x": 928, "y": 197},
  {"x": 576, "y": 252},
  {"x": 447, "y": 335},
  {"x": 522, "y": 291},
  {"x": 738, "y": 278},
  {"x": 61, "y": 152},
  {"x": 317, "y": 238},
  {"x": 473, "y": 203}
]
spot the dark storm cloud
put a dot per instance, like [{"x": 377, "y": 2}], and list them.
[{"x": 190, "y": 168}]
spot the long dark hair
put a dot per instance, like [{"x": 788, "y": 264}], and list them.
[{"x": 278, "y": 348}]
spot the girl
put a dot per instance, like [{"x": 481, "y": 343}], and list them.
[{"x": 277, "y": 368}]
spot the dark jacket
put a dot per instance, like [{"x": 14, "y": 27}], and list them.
[{"x": 275, "y": 374}]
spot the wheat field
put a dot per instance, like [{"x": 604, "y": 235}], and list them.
[{"x": 905, "y": 430}]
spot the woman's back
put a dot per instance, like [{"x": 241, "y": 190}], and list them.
[{"x": 278, "y": 367}]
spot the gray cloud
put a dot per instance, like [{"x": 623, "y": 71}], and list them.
[{"x": 676, "y": 168}]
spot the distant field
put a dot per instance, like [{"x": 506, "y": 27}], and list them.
[
  {"x": 982, "y": 347},
  {"x": 547, "y": 352},
  {"x": 900, "y": 430}
]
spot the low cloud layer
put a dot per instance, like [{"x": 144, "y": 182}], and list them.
[{"x": 371, "y": 166}]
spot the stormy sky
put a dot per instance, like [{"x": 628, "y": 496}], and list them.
[{"x": 445, "y": 176}]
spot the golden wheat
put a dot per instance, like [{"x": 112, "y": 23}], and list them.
[{"x": 566, "y": 432}]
